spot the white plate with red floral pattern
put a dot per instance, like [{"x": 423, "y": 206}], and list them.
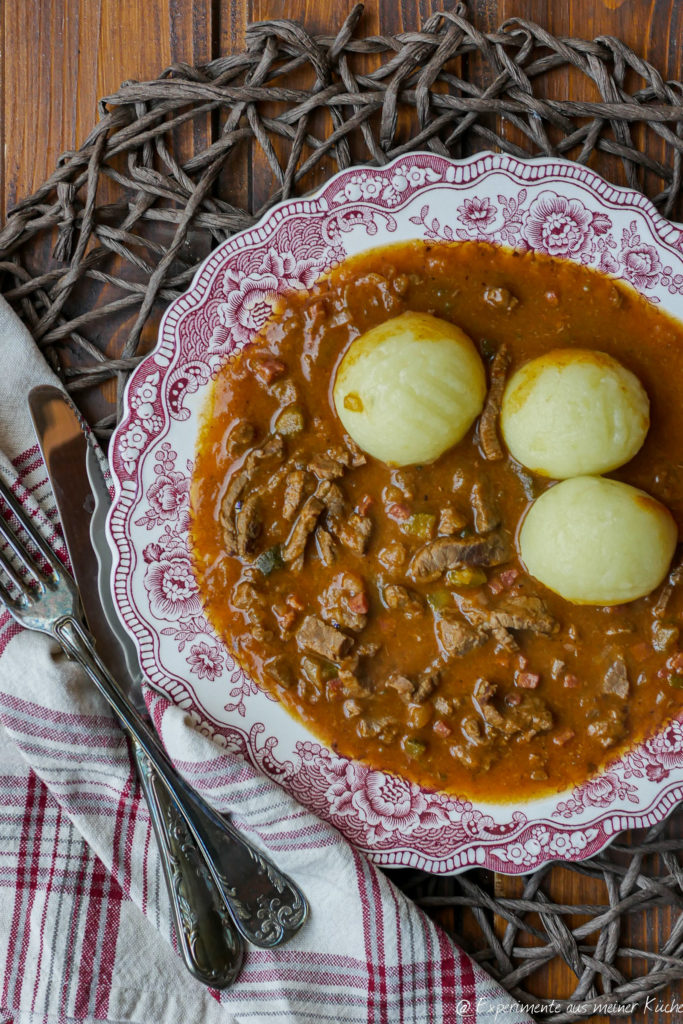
[{"x": 549, "y": 205}]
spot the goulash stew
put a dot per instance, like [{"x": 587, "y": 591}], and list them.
[{"x": 435, "y": 510}]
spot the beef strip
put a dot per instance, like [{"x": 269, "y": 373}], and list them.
[
  {"x": 316, "y": 636},
  {"x": 273, "y": 449},
  {"x": 457, "y": 637},
  {"x": 484, "y": 506},
  {"x": 448, "y": 552},
  {"x": 293, "y": 551},
  {"x": 248, "y": 524},
  {"x": 525, "y": 613},
  {"x": 525, "y": 719},
  {"x": 295, "y": 488},
  {"x": 616, "y": 679},
  {"x": 325, "y": 545},
  {"x": 488, "y": 422}
]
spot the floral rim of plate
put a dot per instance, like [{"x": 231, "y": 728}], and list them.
[{"x": 548, "y": 205}]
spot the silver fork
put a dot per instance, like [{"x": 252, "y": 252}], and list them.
[{"x": 266, "y": 907}]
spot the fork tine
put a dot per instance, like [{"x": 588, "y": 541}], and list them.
[
  {"x": 21, "y": 551},
  {"x": 7, "y": 599},
  {"x": 16, "y": 579},
  {"x": 31, "y": 531}
]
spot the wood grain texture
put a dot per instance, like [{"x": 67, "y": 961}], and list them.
[{"x": 58, "y": 57}]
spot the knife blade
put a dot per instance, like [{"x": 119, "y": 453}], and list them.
[{"x": 210, "y": 946}]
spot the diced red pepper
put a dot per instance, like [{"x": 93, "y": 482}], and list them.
[
  {"x": 399, "y": 513},
  {"x": 570, "y": 681},
  {"x": 513, "y": 699},
  {"x": 441, "y": 729},
  {"x": 359, "y": 604},
  {"x": 527, "y": 680},
  {"x": 334, "y": 688}
]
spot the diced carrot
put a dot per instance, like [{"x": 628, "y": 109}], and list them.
[
  {"x": 441, "y": 729},
  {"x": 527, "y": 680}
]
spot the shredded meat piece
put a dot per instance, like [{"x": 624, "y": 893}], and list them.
[
  {"x": 404, "y": 686},
  {"x": 295, "y": 487},
  {"x": 457, "y": 637},
  {"x": 325, "y": 545},
  {"x": 333, "y": 499},
  {"x": 248, "y": 524},
  {"x": 427, "y": 682},
  {"x": 488, "y": 422},
  {"x": 485, "y": 507},
  {"x": 293, "y": 550},
  {"x": 273, "y": 449},
  {"x": 354, "y": 532},
  {"x": 608, "y": 728},
  {"x": 316, "y": 636},
  {"x": 393, "y": 556},
  {"x": 526, "y": 719},
  {"x": 358, "y": 457},
  {"x": 399, "y": 597},
  {"x": 337, "y": 602},
  {"x": 450, "y": 522},
  {"x": 616, "y": 679},
  {"x": 331, "y": 464},
  {"x": 675, "y": 577},
  {"x": 446, "y": 553}
]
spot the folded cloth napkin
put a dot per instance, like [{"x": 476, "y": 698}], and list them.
[{"x": 85, "y": 929}]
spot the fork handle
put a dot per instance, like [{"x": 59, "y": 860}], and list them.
[
  {"x": 267, "y": 908},
  {"x": 210, "y": 946}
]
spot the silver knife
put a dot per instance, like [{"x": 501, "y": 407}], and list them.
[{"x": 210, "y": 946}]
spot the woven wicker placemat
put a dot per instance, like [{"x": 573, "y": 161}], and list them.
[{"x": 94, "y": 256}]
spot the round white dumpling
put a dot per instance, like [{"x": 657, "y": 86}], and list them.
[
  {"x": 598, "y": 541},
  {"x": 573, "y": 412},
  {"x": 410, "y": 388}
]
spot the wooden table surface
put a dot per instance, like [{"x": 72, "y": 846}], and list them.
[{"x": 60, "y": 56}]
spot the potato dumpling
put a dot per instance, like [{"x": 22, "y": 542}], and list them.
[
  {"x": 573, "y": 412},
  {"x": 410, "y": 388},
  {"x": 598, "y": 541}
]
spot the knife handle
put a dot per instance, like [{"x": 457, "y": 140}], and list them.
[
  {"x": 210, "y": 946},
  {"x": 266, "y": 906}
]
